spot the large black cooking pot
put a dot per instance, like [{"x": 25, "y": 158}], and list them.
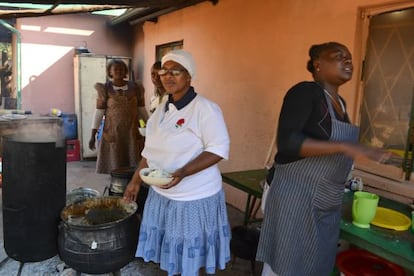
[{"x": 98, "y": 235}]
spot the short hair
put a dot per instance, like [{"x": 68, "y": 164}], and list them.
[
  {"x": 316, "y": 50},
  {"x": 116, "y": 61}
]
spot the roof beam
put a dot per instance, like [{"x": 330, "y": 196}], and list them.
[
  {"x": 139, "y": 10},
  {"x": 137, "y": 16},
  {"x": 129, "y": 3},
  {"x": 7, "y": 14}
]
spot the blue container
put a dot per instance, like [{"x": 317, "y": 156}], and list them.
[{"x": 70, "y": 126}]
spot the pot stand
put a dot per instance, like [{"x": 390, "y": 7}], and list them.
[
  {"x": 60, "y": 268},
  {"x": 4, "y": 261}
]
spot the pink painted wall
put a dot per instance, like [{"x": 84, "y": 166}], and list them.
[
  {"x": 48, "y": 45},
  {"x": 248, "y": 54}
]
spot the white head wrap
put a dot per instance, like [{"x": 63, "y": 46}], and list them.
[{"x": 184, "y": 58}]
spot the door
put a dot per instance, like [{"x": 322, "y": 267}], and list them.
[{"x": 88, "y": 71}]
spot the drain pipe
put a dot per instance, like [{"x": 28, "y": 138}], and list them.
[{"x": 18, "y": 59}]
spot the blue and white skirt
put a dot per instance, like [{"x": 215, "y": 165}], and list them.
[{"x": 184, "y": 236}]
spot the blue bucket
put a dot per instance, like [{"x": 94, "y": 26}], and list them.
[{"x": 70, "y": 126}]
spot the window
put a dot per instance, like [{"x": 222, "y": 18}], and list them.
[{"x": 162, "y": 49}]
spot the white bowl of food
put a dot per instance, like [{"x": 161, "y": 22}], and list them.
[{"x": 155, "y": 177}]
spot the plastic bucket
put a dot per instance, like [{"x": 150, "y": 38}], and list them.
[
  {"x": 357, "y": 262},
  {"x": 70, "y": 126}
]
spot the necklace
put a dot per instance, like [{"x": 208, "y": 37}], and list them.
[{"x": 337, "y": 103}]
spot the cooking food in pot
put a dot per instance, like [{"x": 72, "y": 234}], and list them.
[
  {"x": 98, "y": 211},
  {"x": 97, "y": 216}
]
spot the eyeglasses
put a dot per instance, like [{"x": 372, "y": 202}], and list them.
[{"x": 174, "y": 72}]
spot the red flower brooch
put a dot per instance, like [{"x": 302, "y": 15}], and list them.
[{"x": 179, "y": 123}]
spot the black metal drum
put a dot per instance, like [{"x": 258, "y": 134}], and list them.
[{"x": 34, "y": 193}]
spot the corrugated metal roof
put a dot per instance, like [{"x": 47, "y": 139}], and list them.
[
  {"x": 7, "y": 6},
  {"x": 122, "y": 11}
]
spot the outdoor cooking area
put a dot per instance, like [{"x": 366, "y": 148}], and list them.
[
  {"x": 69, "y": 220},
  {"x": 45, "y": 259},
  {"x": 277, "y": 109},
  {"x": 42, "y": 221}
]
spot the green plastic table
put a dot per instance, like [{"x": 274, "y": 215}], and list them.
[
  {"x": 249, "y": 182},
  {"x": 394, "y": 246}
]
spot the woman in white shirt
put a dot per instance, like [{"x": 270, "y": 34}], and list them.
[{"x": 185, "y": 225}]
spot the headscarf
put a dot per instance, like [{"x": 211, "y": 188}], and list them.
[{"x": 184, "y": 58}]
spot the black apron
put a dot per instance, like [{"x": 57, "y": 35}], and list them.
[{"x": 300, "y": 230}]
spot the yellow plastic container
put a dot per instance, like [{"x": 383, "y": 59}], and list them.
[{"x": 390, "y": 219}]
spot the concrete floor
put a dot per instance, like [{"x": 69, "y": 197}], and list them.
[{"x": 82, "y": 174}]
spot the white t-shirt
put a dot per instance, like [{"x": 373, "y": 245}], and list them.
[
  {"x": 155, "y": 101},
  {"x": 175, "y": 137}
]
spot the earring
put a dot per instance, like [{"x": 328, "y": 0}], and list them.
[{"x": 318, "y": 69}]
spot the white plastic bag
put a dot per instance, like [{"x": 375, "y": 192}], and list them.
[
  {"x": 268, "y": 164},
  {"x": 266, "y": 187}
]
